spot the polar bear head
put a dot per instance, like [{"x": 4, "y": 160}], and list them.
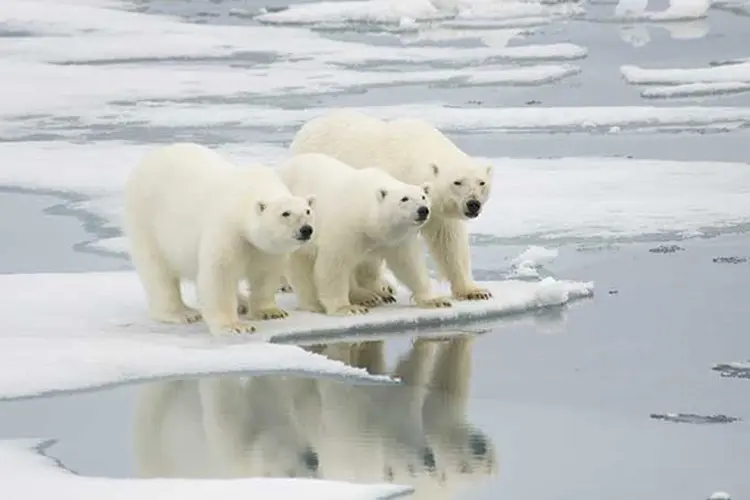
[
  {"x": 401, "y": 209},
  {"x": 283, "y": 224},
  {"x": 460, "y": 191}
]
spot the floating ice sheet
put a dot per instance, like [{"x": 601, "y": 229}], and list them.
[
  {"x": 63, "y": 332},
  {"x": 27, "y": 474}
]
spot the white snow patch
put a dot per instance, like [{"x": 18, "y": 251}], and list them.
[
  {"x": 696, "y": 89},
  {"x": 720, "y": 495},
  {"x": 528, "y": 263},
  {"x": 95, "y": 331},
  {"x": 690, "y": 82},
  {"x": 30, "y": 475},
  {"x": 391, "y": 11}
]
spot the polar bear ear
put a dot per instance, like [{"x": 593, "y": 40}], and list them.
[
  {"x": 435, "y": 169},
  {"x": 427, "y": 187},
  {"x": 311, "y": 200},
  {"x": 489, "y": 170},
  {"x": 261, "y": 207},
  {"x": 382, "y": 193}
]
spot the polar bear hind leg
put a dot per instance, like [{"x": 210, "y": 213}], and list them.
[
  {"x": 448, "y": 242},
  {"x": 162, "y": 286}
]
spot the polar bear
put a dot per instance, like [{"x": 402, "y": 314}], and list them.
[
  {"x": 413, "y": 151},
  {"x": 191, "y": 214},
  {"x": 225, "y": 427},
  {"x": 362, "y": 217}
]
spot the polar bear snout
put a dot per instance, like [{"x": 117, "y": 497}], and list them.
[
  {"x": 422, "y": 213},
  {"x": 473, "y": 207},
  {"x": 305, "y": 232},
  {"x": 310, "y": 460}
]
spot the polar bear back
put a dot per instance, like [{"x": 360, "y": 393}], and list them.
[{"x": 403, "y": 147}]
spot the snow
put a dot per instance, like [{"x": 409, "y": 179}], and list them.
[
  {"x": 691, "y": 82},
  {"x": 393, "y": 11},
  {"x": 696, "y": 89},
  {"x": 94, "y": 331},
  {"x": 30, "y": 475},
  {"x": 528, "y": 263},
  {"x": 725, "y": 73}
]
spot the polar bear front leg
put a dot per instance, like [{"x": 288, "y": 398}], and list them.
[
  {"x": 332, "y": 279},
  {"x": 301, "y": 276},
  {"x": 407, "y": 263},
  {"x": 217, "y": 284},
  {"x": 264, "y": 275},
  {"x": 448, "y": 241}
]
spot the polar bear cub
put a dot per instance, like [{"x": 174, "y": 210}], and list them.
[
  {"x": 190, "y": 214},
  {"x": 415, "y": 152},
  {"x": 362, "y": 216}
]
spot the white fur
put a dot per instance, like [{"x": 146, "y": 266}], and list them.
[
  {"x": 362, "y": 216},
  {"x": 413, "y": 151},
  {"x": 190, "y": 214},
  {"x": 412, "y": 433}
]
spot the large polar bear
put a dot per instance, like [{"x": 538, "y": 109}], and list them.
[
  {"x": 190, "y": 214},
  {"x": 413, "y": 151},
  {"x": 362, "y": 217}
]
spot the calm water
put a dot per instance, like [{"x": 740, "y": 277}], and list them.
[{"x": 556, "y": 404}]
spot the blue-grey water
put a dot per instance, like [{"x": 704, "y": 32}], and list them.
[{"x": 571, "y": 403}]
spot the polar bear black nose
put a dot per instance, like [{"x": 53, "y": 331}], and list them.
[
  {"x": 305, "y": 232},
  {"x": 423, "y": 212},
  {"x": 472, "y": 207},
  {"x": 310, "y": 459}
]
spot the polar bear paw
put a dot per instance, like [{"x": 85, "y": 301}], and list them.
[
  {"x": 473, "y": 293},
  {"x": 184, "y": 316},
  {"x": 434, "y": 303},
  {"x": 235, "y": 328},
  {"x": 271, "y": 313},
  {"x": 367, "y": 298},
  {"x": 351, "y": 310}
]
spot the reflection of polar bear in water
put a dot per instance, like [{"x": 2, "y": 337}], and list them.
[
  {"x": 436, "y": 376},
  {"x": 415, "y": 433},
  {"x": 221, "y": 427}
]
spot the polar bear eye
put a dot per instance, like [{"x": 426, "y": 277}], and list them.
[
  {"x": 405, "y": 199},
  {"x": 307, "y": 212},
  {"x": 457, "y": 183},
  {"x": 482, "y": 183},
  {"x": 286, "y": 214}
]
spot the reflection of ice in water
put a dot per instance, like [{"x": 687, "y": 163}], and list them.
[
  {"x": 677, "y": 10},
  {"x": 637, "y": 35},
  {"x": 416, "y": 433}
]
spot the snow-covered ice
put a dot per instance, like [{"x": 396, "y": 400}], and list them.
[
  {"x": 393, "y": 11},
  {"x": 690, "y": 82},
  {"x": 27, "y": 474},
  {"x": 528, "y": 263},
  {"x": 94, "y": 330}
]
